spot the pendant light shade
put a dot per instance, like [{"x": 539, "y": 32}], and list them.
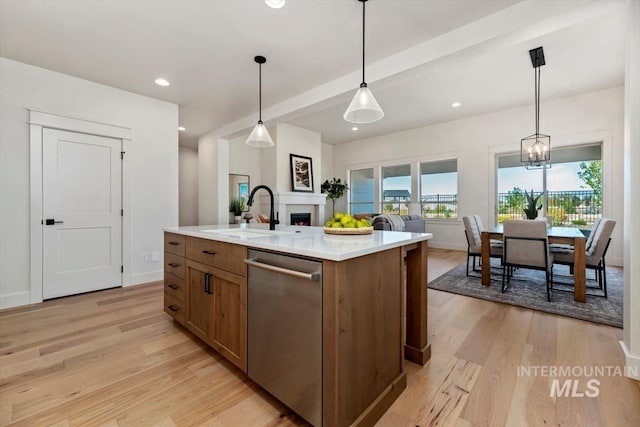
[
  {"x": 363, "y": 108},
  {"x": 535, "y": 150},
  {"x": 259, "y": 137}
]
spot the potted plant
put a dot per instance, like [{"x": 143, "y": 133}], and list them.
[
  {"x": 237, "y": 206},
  {"x": 334, "y": 189},
  {"x": 531, "y": 211}
]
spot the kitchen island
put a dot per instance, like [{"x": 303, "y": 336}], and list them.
[{"x": 366, "y": 284}]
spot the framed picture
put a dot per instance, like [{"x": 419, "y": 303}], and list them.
[{"x": 301, "y": 173}]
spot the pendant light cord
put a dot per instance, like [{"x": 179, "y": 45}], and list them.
[
  {"x": 536, "y": 75},
  {"x": 260, "y": 93},
  {"x": 364, "y": 3}
]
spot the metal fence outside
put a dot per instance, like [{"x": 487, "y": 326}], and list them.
[
  {"x": 439, "y": 206},
  {"x": 565, "y": 208},
  {"x": 578, "y": 208}
]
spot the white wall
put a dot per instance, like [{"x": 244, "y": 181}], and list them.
[
  {"x": 245, "y": 160},
  {"x": 151, "y": 165},
  {"x": 213, "y": 179},
  {"x": 295, "y": 140},
  {"x": 188, "y": 186},
  {"x": 475, "y": 141},
  {"x": 631, "y": 335},
  {"x": 327, "y": 174}
]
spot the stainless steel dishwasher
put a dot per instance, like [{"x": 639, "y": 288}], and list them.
[{"x": 284, "y": 337}]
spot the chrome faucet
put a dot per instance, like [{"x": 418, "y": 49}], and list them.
[{"x": 272, "y": 221}]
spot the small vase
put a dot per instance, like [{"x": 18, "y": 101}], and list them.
[{"x": 238, "y": 219}]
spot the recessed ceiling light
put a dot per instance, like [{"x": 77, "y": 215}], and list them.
[
  {"x": 275, "y": 4},
  {"x": 162, "y": 82},
  {"x": 456, "y": 104},
  {"x": 355, "y": 128},
  {"x": 181, "y": 128}
]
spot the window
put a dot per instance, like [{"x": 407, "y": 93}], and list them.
[
  {"x": 574, "y": 186},
  {"x": 361, "y": 191},
  {"x": 439, "y": 189},
  {"x": 396, "y": 189}
]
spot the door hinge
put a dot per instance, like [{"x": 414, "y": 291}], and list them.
[
  {"x": 121, "y": 212},
  {"x": 122, "y": 155},
  {"x": 122, "y": 269}
]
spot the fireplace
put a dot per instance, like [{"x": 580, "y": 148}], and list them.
[{"x": 300, "y": 219}]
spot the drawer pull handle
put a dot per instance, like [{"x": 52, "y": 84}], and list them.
[
  {"x": 173, "y": 308},
  {"x": 174, "y": 243},
  {"x": 209, "y": 252},
  {"x": 174, "y": 264},
  {"x": 172, "y": 286}
]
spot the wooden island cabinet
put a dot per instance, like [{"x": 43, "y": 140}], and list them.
[
  {"x": 213, "y": 291},
  {"x": 371, "y": 299}
]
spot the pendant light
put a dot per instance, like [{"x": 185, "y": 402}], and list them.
[
  {"x": 363, "y": 108},
  {"x": 259, "y": 137},
  {"x": 535, "y": 150}
]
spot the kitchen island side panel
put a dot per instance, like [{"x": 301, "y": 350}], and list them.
[{"x": 362, "y": 337}]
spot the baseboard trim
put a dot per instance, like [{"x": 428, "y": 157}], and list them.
[
  {"x": 139, "y": 279},
  {"x": 632, "y": 365},
  {"x": 15, "y": 300},
  {"x": 615, "y": 262},
  {"x": 443, "y": 245}
]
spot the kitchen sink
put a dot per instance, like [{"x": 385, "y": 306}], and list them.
[{"x": 248, "y": 233}]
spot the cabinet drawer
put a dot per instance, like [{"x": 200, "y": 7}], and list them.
[
  {"x": 174, "y": 286},
  {"x": 174, "y": 264},
  {"x": 174, "y": 243},
  {"x": 174, "y": 308},
  {"x": 224, "y": 256}
]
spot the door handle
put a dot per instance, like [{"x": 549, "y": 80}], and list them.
[
  {"x": 209, "y": 252},
  {"x": 52, "y": 221},
  {"x": 173, "y": 264},
  {"x": 172, "y": 286}
]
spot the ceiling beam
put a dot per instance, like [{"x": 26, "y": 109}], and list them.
[{"x": 524, "y": 21}]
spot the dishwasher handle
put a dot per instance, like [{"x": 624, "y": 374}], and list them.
[{"x": 308, "y": 276}]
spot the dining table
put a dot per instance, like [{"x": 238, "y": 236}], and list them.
[{"x": 560, "y": 235}]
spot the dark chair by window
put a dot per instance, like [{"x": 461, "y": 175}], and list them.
[{"x": 526, "y": 246}]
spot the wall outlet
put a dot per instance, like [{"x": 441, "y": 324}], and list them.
[
  {"x": 155, "y": 256},
  {"x": 144, "y": 257}
]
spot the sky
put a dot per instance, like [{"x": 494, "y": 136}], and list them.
[{"x": 561, "y": 177}]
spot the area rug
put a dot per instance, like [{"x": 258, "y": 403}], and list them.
[{"x": 528, "y": 290}]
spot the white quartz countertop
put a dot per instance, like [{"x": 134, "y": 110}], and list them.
[{"x": 305, "y": 241}]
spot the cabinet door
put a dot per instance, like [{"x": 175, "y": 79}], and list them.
[
  {"x": 230, "y": 317},
  {"x": 199, "y": 316}
]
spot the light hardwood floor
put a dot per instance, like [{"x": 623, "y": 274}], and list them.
[{"x": 113, "y": 358}]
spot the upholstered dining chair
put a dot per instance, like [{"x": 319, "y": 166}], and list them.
[
  {"x": 526, "y": 246},
  {"x": 472, "y": 230},
  {"x": 596, "y": 248}
]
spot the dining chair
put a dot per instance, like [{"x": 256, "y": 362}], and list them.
[
  {"x": 472, "y": 231},
  {"x": 596, "y": 248},
  {"x": 526, "y": 246}
]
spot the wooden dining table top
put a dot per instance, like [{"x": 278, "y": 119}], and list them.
[{"x": 566, "y": 232}]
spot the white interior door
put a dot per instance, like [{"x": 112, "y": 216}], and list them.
[{"x": 82, "y": 213}]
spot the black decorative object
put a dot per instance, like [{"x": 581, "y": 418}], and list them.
[{"x": 535, "y": 150}]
